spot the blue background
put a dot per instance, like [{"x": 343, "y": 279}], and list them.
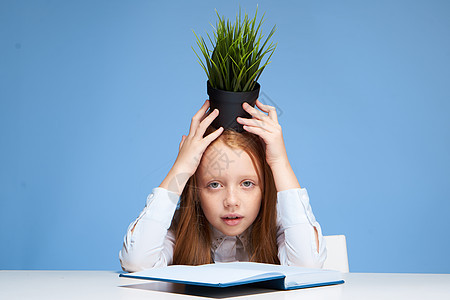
[{"x": 95, "y": 96}]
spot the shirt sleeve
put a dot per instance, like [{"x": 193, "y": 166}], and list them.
[
  {"x": 150, "y": 244},
  {"x": 296, "y": 237}
]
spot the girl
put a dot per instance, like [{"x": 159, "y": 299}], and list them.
[{"x": 238, "y": 200}]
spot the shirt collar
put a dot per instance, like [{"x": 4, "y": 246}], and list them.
[{"x": 218, "y": 237}]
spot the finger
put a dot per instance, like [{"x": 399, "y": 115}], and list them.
[
  {"x": 256, "y": 130},
  {"x": 206, "y": 114},
  {"x": 265, "y": 124},
  {"x": 206, "y": 122},
  {"x": 183, "y": 138},
  {"x": 254, "y": 112},
  {"x": 271, "y": 110},
  {"x": 212, "y": 136},
  {"x": 196, "y": 119}
]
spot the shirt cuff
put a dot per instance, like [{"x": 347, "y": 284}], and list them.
[
  {"x": 293, "y": 207},
  {"x": 161, "y": 206}
]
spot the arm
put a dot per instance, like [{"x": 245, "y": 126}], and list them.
[
  {"x": 285, "y": 179},
  {"x": 268, "y": 128},
  {"x": 148, "y": 242},
  {"x": 299, "y": 238}
]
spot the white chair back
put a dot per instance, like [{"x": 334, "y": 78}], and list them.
[{"x": 337, "y": 258}]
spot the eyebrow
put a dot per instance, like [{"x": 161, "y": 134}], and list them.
[
  {"x": 251, "y": 176},
  {"x": 208, "y": 178}
]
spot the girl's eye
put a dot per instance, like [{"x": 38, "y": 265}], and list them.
[
  {"x": 213, "y": 185},
  {"x": 247, "y": 183}
]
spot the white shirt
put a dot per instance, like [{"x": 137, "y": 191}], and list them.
[{"x": 151, "y": 243}]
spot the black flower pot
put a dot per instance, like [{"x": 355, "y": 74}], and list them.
[{"x": 229, "y": 105}]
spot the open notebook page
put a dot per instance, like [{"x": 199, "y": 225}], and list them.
[{"x": 211, "y": 273}]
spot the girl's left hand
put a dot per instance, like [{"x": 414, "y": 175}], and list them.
[{"x": 268, "y": 129}]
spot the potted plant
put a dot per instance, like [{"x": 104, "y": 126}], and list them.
[{"x": 234, "y": 65}]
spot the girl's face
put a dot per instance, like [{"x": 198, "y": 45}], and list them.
[{"x": 229, "y": 189}]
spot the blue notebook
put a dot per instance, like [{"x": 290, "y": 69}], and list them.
[{"x": 239, "y": 273}]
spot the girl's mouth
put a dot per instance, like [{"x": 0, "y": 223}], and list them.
[{"x": 232, "y": 220}]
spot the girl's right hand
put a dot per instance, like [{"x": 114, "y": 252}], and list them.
[
  {"x": 193, "y": 146},
  {"x": 191, "y": 149}
]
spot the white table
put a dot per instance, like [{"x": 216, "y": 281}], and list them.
[{"x": 87, "y": 285}]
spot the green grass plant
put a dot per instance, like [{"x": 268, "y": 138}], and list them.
[{"x": 235, "y": 63}]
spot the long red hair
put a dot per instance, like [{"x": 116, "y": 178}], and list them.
[{"x": 193, "y": 236}]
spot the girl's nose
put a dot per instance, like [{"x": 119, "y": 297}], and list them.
[{"x": 231, "y": 199}]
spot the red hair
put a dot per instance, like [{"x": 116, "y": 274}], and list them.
[{"x": 193, "y": 236}]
